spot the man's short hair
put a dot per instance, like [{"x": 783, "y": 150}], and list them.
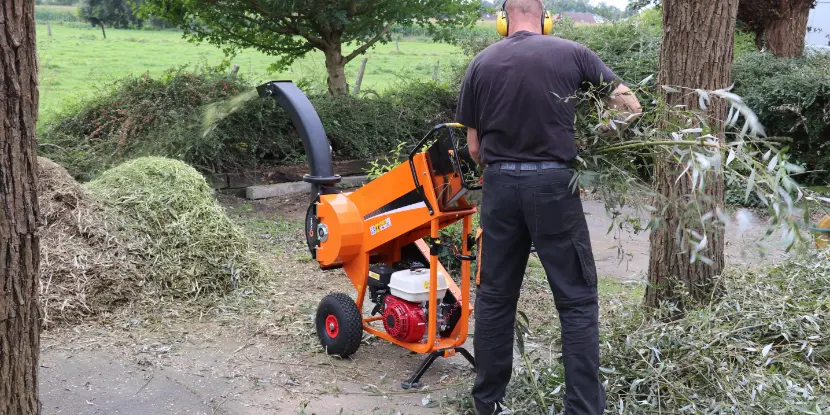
[{"x": 528, "y": 7}]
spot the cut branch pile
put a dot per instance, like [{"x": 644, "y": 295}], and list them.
[
  {"x": 761, "y": 348},
  {"x": 145, "y": 232}
]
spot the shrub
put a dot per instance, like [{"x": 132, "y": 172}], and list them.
[
  {"x": 136, "y": 116},
  {"x": 792, "y": 99},
  {"x": 145, "y": 116},
  {"x": 630, "y": 48}
]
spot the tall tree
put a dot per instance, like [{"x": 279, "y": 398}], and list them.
[
  {"x": 781, "y": 25},
  {"x": 696, "y": 52},
  {"x": 19, "y": 241},
  {"x": 291, "y": 29}
]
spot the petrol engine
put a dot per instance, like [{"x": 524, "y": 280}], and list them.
[{"x": 401, "y": 296}]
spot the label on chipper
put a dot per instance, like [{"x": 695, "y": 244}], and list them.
[{"x": 380, "y": 226}]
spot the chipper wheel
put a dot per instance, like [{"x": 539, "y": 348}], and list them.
[{"x": 339, "y": 325}]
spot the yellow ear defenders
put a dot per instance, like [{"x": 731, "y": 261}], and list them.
[{"x": 502, "y": 23}]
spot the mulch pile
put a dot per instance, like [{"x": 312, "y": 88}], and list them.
[{"x": 86, "y": 269}]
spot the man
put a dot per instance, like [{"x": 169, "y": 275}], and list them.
[{"x": 521, "y": 127}]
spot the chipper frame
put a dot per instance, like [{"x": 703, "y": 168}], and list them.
[{"x": 387, "y": 233}]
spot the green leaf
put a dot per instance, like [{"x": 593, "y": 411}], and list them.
[
  {"x": 766, "y": 350},
  {"x": 772, "y": 163},
  {"x": 730, "y": 157}
]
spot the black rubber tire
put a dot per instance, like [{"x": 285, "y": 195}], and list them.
[{"x": 349, "y": 325}]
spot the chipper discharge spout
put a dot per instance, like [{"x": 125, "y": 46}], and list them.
[{"x": 385, "y": 237}]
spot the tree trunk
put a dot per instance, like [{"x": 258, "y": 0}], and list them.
[
  {"x": 336, "y": 68},
  {"x": 696, "y": 52},
  {"x": 359, "y": 79},
  {"x": 103, "y": 31},
  {"x": 785, "y": 35},
  {"x": 19, "y": 240}
]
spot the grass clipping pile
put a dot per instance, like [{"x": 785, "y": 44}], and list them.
[{"x": 146, "y": 231}]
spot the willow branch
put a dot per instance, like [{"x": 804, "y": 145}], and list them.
[{"x": 641, "y": 144}]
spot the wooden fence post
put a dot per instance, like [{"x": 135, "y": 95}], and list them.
[
  {"x": 49, "y": 27},
  {"x": 435, "y": 71},
  {"x": 397, "y": 46},
  {"x": 359, "y": 76}
]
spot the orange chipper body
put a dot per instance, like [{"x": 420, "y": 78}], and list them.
[
  {"x": 385, "y": 237},
  {"x": 375, "y": 222}
]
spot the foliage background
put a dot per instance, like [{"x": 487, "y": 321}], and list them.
[
  {"x": 790, "y": 96},
  {"x": 146, "y": 116}
]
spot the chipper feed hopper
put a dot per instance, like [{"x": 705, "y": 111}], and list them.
[{"x": 385, "y": 237}]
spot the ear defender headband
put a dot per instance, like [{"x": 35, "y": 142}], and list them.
[{"x": 502, "y": 24}]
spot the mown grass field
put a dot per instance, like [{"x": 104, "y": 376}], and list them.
[{"x": 76, "y": 61}]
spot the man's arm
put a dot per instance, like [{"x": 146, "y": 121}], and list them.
[
  {"x": 473, "y": 145},
  {"x": 621, "y": 98},
  {"x": 466, "y": 112}
]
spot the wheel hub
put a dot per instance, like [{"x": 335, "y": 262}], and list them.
[{"x": 331, "y": 326}]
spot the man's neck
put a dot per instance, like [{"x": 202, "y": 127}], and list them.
[{"x": 524, "y": 26}]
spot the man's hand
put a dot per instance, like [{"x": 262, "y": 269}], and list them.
[
  {"x": 605, "y": 131},
  {"x": 628, "y": 109}
]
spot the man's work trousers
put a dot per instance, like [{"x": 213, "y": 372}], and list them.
[{"x": 540, "y": 207}]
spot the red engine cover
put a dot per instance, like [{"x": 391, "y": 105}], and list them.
[{"x": 403, "y": 320}]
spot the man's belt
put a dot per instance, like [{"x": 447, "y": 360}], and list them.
[{"x": 532, "y": 166}]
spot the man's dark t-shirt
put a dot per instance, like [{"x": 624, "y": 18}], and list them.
[{"x": 515, "y": 95}]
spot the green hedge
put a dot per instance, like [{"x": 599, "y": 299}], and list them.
[
  {"x": 146, "y": 116},
  {"x": 630, "y": 48},
  {"x": 792, "y": 99}
]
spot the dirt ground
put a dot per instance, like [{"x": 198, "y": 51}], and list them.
[{"x": 256, "y": 352}]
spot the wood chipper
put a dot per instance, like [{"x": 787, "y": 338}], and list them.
[{"x": 385, "y": 237}]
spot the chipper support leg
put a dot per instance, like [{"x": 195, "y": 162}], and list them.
[
  {"x": 467, "y": 356},
  {"x": 412, "y": 382}
]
